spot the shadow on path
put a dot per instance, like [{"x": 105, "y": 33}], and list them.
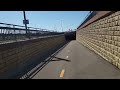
[
  {"x": 60, "y": 59},
  {"x": 47, "y": 58}
]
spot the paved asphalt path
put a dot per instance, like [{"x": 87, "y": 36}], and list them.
[{"x": 75, "y": 61}]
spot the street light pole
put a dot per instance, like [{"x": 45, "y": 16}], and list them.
[{"x": 25, "y": 20}]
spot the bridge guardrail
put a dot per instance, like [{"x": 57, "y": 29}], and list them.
[{"x": 16, "y": 32}]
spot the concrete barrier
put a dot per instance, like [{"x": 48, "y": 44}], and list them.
[{"x": 15, "y": 55}]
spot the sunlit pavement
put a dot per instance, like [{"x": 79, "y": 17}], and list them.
[{"x": 77, "y": 62}]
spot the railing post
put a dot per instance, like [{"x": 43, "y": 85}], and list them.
[
  {"x": 14, "y": 32},
  {"x": 1, "y": 35},
  {"x": 28, "y": 33}
]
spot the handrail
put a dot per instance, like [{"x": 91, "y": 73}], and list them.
[
  {"x": 22, "y": 26},
  {"x": 18, "y": 32},
  {"x": 85, "y": 18}
]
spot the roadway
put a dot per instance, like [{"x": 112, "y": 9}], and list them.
[{"x": 75, "y": 61}]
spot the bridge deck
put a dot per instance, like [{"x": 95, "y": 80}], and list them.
[{"x": 77, "y": 62}]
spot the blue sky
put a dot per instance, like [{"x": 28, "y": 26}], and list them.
[{"x": 45, "y": 19}]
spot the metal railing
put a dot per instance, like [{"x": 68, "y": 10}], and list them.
[
  {"x": 88, "y": 17},
  {"x": 16, "y": 32}
]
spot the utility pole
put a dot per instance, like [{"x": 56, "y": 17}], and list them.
[
  {"x": 55, "y": 28},
  {"x": 25, "y": 21},
  {"x": 61, "y": 26}
]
